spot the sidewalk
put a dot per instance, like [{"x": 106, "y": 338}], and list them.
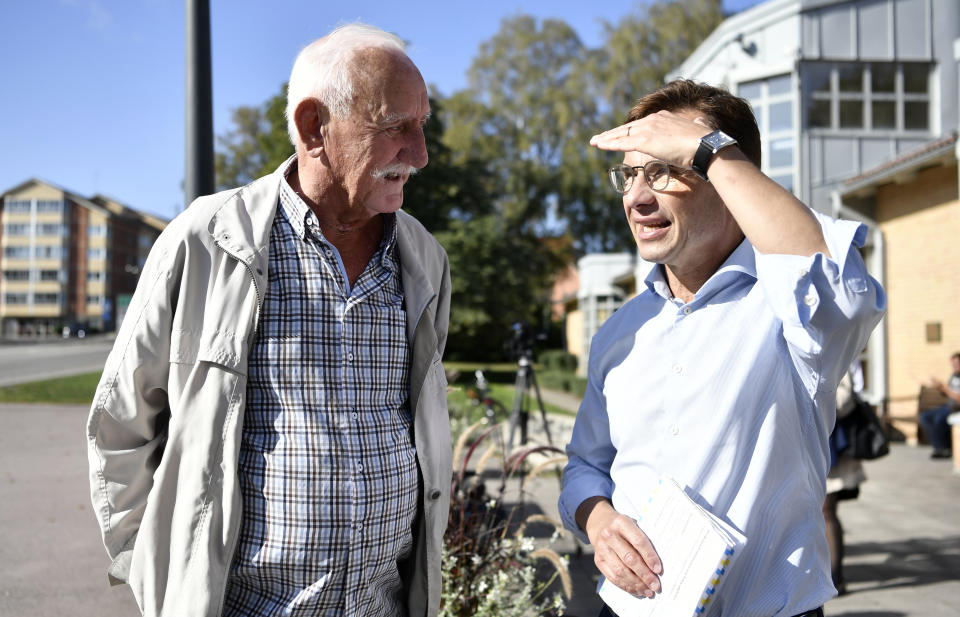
[{"x": 902, "y": 537}]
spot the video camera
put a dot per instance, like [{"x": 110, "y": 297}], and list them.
[{"x": 524, "y": 339}]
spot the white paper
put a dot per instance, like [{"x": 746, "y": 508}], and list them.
[{"x": 695, "y": 548}]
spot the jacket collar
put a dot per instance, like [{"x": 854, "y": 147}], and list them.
[
  {"x": 418, "y": 287},
  {"x": 241, "y": 226}
]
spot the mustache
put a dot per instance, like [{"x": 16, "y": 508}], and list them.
[{"x": 398, "y": 169}]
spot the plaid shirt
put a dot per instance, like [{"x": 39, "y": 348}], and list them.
[{"x": 327, "y": 464}]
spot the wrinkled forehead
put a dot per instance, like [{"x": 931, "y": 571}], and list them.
[{"x": 383, "y": 74}]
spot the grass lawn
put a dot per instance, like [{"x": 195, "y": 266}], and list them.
[
  {"x": 500, "y": 377},
  {"x": 75, "y": 389},
  {"x": 80, "y": 389}
]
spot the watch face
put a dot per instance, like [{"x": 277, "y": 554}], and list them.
[{"x": 718, "y": 139}]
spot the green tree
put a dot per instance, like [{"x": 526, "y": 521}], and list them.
[
  {"x": 640, "y": 49},
  {"x": 256, "y": 145},
  {"x": 498, "y": 274},
  {"x": 529, "y": 112}
]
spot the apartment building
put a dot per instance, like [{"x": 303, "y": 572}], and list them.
[{"x": 67, "y": 261}]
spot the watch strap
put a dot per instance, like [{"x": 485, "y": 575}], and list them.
[
  {"x": 710, "y": 144},
  {"x": 701, "y": 160}
]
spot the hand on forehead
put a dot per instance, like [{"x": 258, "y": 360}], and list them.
[{"x": 669, "y": 136}]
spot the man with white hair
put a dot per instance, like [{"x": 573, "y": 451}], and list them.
[{"x": 270, "y": 434}]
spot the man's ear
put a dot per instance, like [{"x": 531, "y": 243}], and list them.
[{"x": 309, "y": 117}]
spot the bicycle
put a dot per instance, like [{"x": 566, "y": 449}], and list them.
[{"x": 493, "y": 410}]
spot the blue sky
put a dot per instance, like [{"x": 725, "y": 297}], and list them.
[{"x": 93, "y": 96}]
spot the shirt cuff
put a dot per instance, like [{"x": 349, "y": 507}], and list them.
[{"x": 580, "y": 484}]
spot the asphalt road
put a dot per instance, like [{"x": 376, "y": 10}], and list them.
[{"x": 22, "y": 362}]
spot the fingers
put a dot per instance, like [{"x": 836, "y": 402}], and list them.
[
  {"x": 622, "y": 138},
  {"x": 669, "y": 136},
  {"x": 625, "y": 556}
]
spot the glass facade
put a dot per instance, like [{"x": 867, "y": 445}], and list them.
[
  {"x": 867, "y": 96},
  {"x": 773, "y": 106},
  {"x": 17, "y": 206}
]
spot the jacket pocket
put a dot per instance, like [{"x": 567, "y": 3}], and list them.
[{"x": 228, "y": 349}]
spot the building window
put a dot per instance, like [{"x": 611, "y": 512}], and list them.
[
  {"x": 16, "y": 252},
  {"x": 49, "y": 252},
  {"x": 97, "y": 253},
  {"x": 95, "y": 276},
  {"x": 94, "y": 299},
  {"x": 16, "y": 229},
  {"x": 51, "y": 229},
  {"x": 11, "y": 298},
  {"x": 16, "y": 275},
  {"x": 49, "y": 275},
  {"x": 49, "y": 207},
  {"x": 96, "y": 230},
  {"x": 867, "y": 96},
  {"x": 772, "y": 101},
  {"x": 19, "y": 206},
  {"x": 46, "y": 298}
]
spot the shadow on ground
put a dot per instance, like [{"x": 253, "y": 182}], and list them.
[{"x": 905, "y": 563}]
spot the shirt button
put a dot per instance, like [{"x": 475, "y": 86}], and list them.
[
  {"x": 434, "y": 494},
  {"x": 349, "y": 356},
  {"x": 359, "y": 525},
  {"x": 674, "y": 429},
  {"x": 809, "y": 299},
  {"x": 677, "y": 369},
  {"x": 355, "y": 415},
  {"x": 686, "y": 310}
]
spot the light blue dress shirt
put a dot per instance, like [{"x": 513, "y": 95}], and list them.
[{"x": 732, "y": 395}]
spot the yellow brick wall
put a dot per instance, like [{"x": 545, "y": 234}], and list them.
[
  {"x": 574, "y": 332},
  {"x": 920, "y": 221}
]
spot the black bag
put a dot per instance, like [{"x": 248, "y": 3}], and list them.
[{"x": 866, "y": 439}]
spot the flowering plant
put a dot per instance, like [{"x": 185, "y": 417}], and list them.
[{"x": 490, "y": 567}]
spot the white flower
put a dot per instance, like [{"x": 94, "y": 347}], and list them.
[{"x": 526, "y": 544}]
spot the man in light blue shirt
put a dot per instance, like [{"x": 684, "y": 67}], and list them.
[{"x": 722, "y": 372}]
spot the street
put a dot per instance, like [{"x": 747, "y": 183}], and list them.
[{"x": 32, "y": 361}]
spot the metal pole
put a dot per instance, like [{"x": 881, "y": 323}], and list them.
[{"x": 198, "y": 174}]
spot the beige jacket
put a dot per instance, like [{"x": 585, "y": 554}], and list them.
[{"x": 165, "y": 426}]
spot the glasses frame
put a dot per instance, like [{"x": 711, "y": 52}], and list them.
[{"x": 628, "y": 183}]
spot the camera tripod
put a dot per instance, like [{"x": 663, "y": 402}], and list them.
[{"x": 519, "y": 415}]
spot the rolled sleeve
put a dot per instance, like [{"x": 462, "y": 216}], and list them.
[{"x": 828, "y": 305}]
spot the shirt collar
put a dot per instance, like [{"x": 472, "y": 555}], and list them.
[
  {"x": 295, "y": 209},
  {"x": 301, "y": 217},
  {"x": 742, "y": 261}
]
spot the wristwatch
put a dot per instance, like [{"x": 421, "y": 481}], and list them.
[{"x": 710, "y": 144}]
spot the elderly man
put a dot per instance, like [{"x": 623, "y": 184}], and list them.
[
  {"x": 721, "y": 373},
  {"x": 270, "y": 435}
]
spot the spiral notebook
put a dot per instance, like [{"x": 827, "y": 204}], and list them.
[{"x": 695, "y": 547}]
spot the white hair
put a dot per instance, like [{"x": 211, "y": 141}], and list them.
[{"x": 322, "y": 69}]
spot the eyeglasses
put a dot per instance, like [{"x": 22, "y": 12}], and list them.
[{"x": 655, "y": 172}]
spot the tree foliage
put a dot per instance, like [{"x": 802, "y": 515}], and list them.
[
  {"x": 256, "y": 145},
  {"x": 641, "y": 49}
]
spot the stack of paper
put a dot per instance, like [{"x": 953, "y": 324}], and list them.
[{"x": 695, "y": 548}]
